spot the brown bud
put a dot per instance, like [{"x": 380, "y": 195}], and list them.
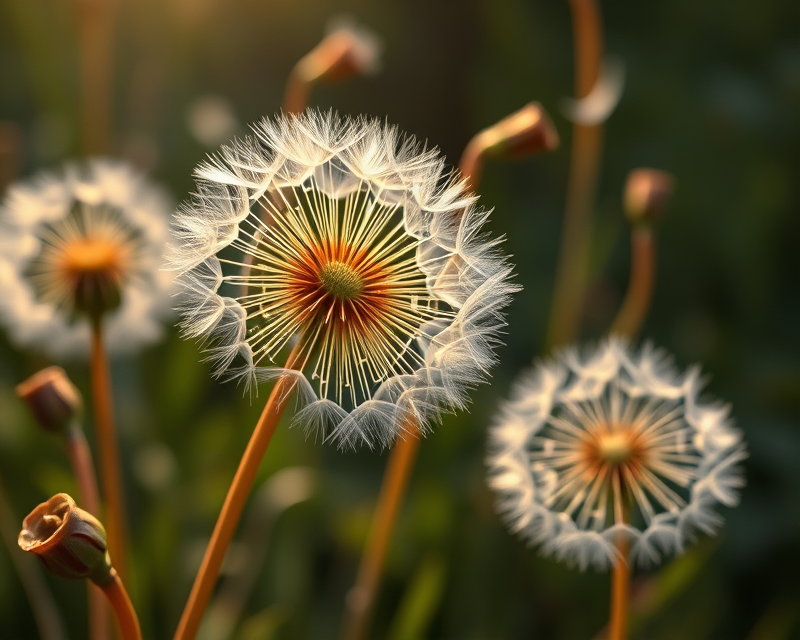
[
  {"x": 52, "y": 398},
  {"x": 70, "y": 542},
  {"x": 345, "y": 52},
  {"x": 647, "y": 193},
  {"x": 524, "y": 133}
]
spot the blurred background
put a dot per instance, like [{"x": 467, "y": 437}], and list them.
[{"x": 712, "y": 95}]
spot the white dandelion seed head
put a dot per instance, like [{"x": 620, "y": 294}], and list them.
[
  {"x": 354, "y": 240},
  {"x": 606, "y": 446},
  {"x": 53, "y": 226}
]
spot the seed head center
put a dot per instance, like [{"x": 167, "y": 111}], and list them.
[
  {"x": 91, "y": 257},
  {"x": 341, "y": 280},
  {"x": 614, "y": 448}
]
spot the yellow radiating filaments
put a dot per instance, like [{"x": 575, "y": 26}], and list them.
[{"x": 344, "y": 275}]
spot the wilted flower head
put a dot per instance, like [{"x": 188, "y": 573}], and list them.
[
  {"x": 614, "y": 445},
  {"x": 350, "y": 238},
  {"x": 84, "y": 243},
  {"x": 52, "y": 398},
  {"x": 70, "y": 542}
]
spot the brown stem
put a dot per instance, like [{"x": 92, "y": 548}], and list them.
[
  {"x": 121, "y": 603},
  {"x": 95, "y": 29},
  {"x": 570, "y": 280},
  {"x": 633, "y": 311},
  {"x": 361, "y": 599},
  {"x": 620, "y": 594},
  {"x": 471, "y": 164},
  {"x": 295, "y": 97},
  {"x": 109, "y": 452},
  {"x": 234, "y": 502},
  {"x": 83, "y": 468},
  {"x": 80, "y": 457}
]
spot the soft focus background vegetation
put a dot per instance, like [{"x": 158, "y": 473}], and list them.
[{"x": 712, "y": 95}]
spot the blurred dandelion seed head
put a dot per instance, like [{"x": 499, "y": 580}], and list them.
[
  {"x": 613, "y": 446},
  {"x": 87, "y": 242},
  {"x": 355, "y": 239}
]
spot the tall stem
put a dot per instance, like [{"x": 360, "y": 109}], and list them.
[
  {"x": 570, "y": 280},
  {"x": 620, "y": 595},
  {"x": 295, "y": 97},
  {"x": 110, "y": 469},
  {"x": 121, "y": 603},
  {"x": 83, "y": 468},
  {"x": 80, "y": 457},
  {"x": 95, "y": 29},
  {"x": 633, "y": 312},
  {"x": 361, "y": 599},
  {"x": 235, "y": 502}
]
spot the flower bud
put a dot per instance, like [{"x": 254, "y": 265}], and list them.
[
  {"x": 52, "y": 398},
  {"x": 70, "y": 542},
  {"x": 346, "y": 51},
  {"x": 523, "y": 133},
  {"x": 647, "y": 192}
]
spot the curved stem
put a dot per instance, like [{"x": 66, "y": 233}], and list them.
[
  {"x": 80, "y": 457},
  {"x": 235, "y": 502},
  {"x": 570, "y": 281},
  {"x": 361, "y": 599},
  {"x": 633, "y": 311},
  {"x": 295, "y": 97},
  {"x": 121, "y": 603},
  {"x": 83, "y": 468},
  {"x": 471, "y": 163},
  {"x": 620, "y": 594},
  {"x": 110, "y": 468}
]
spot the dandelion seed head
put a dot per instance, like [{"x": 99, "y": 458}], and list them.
[
  {"x": 81, "y": 244},
  {"x": 352, "y": 239},
  {"x": 612, "y": 444}
]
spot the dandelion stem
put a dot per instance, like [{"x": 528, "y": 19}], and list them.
[
  {"x": 95, "y": 28},
  {"x": 295, "y": 97},
  {"x": 634, "y": 308},
  {"x": 121, "y": 603},
  {"x": 361, "y": 599},
  {"x": 83, "y": 468},
  {"x": 80, "y": 457},
  {"x": 109, "y": 451},
  {"x": 620, "y": 592},
  {"x": 235, "y": 502},
  {"x": 45, "y": 612},
  {"x": 471, "y": 163},
  {"x": 570, "y": 280}
]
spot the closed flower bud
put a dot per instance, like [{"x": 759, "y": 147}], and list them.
[
  {"x": 523, "y": 133},
  {"x": 52, "y": 398},
  {"x": 647, "y": 193},
  {"x": 346, "y": 51},
  {"x": 70, "y": 542}
]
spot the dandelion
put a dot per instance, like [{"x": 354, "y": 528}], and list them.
[
  {"x": 84, "y": 243},
  {"x": 347, "y": 247},
  {"x": 80, "y": 258},
  {"x": 351, "y": 243},
  {"x": 609, "y": 448}
]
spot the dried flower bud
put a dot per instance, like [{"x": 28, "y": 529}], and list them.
[
  {"x": 647, "y": 192},
  {"x": 524, "y": 133},
  {"x": 346, "y": 51},
  {"x": 70, "y": 542},
  {"x": 52, "y": 398}
]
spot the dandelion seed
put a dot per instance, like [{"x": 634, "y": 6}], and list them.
[
  {"x": 352, "y": 239},
  {"x": 613, "y": 446},
  {"x": 78, "y": 245}
]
